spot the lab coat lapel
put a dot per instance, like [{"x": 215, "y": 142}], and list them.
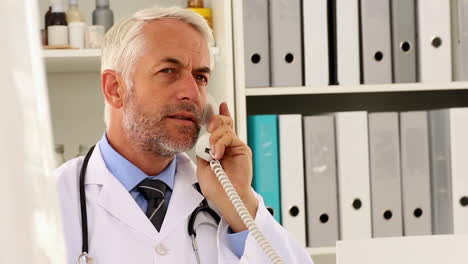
[
  {"x": 184, "y": 198},
  {"x": 115, "y": 199}
]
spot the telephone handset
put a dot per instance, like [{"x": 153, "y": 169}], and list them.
[
  {"x": 203, "y": 146},
  {"x": 203, "y": 150}
]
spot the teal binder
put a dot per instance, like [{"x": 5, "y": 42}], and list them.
[{"x": 263, "y": 140}]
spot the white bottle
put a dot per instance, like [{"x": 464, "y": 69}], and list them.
[
  {"x": 74, "y": 13},
  {"x": 76, "y": 34},
  {"x": 94, "y": 36},
  {"x": 57, "y": 31}
]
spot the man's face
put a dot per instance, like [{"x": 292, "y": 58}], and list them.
[{"x": 162, "y": 114}]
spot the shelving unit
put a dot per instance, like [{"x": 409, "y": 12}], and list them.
[
  {"x": 74, "y": 75},
  {"x": 326, "y": 99}
]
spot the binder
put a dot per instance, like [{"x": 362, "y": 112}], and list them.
[
  {"x": 262, "y": 132},
  {"x": 403, "y": 24},
  {"x": 285, "y": 42},
  {"x": 292, "y": 176},
  {"x": 459, "y": 12},
  {"x": 375, "y": 31},
  {"x": 353, "y": 175},
  {"x": 320, "y": 181},
  {"x": 256, "y": 47},
  {"x": 384, "y": 141},
  {"x": 434, "y": 43},
  {"x": 315, "y": 30},
  {"x": 449, "y": 150},
  {"x": 441, "y": 172},
  {"x": 415, "y": 173},
  {"x": 348, "y": 43},
  {"x": 459, "y": 151}
]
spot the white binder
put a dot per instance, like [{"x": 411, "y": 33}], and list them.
[
  {"x": 441, "y": 171},
  {"x": 285, "y": 43},
  {"x": 375, "y": 32},
  {"x": 353, "y": 175},
  {"x": 347, "y": 34},
  {"x": 314, "y": 13},
  {"x": 415, "y": 173},
  {"x": 403, "y": 14},
  {"x": 459, "y": 15},
  {"x": 459, "y": 154},
  {"x": 434, "y": 41},
  {"x": 292, "y": 176},
  {"x": 320, "y": 180},
  {"x": 256, "y": 43},
  {"x": 385, "y": 174}
]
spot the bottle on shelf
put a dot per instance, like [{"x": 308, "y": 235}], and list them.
[
  {"x": 197, "y": 6},
  {"x": 76, "y": 34},
  {"x": 74, "y": 13},
  {"x": 103, "y": 15},
  {"x": 57, "y": 15},
  {"x": 94, "y": 36},
  {"x": 57, "y": 29},
  {"x": 46, "y": 22},
  {"x": 47, "y": 17}
]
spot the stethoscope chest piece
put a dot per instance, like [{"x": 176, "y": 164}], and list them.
[{"x": 84, "y": 258}]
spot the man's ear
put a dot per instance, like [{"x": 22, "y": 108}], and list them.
[{"x": 113, "y": 88}]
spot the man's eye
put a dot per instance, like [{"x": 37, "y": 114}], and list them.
[
  {"x": 202, "y": 78},
  {"x": 168, "y": 70}
]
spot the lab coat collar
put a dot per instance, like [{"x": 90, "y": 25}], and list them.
[{"x": 118, "y": 202}]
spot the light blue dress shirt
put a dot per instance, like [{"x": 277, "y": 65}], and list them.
[{"x": 130, "y": 176}]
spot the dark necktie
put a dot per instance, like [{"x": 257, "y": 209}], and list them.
[{"x": 154, "y": 191}]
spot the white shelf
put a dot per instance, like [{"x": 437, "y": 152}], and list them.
[
  {"x": 72, "y": 60},
  {"x": 366, "y": 88},
  {"x": 79, "y": 60},
  {"x": 322, "y": 251}
]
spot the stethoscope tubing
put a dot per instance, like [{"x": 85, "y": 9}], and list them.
[{"x": 84, "y": 213}]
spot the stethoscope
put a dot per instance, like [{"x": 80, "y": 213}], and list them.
[{"x": 84, "y": 258}]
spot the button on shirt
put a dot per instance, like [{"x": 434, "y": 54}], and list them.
[{"x": 130, "y": 176}]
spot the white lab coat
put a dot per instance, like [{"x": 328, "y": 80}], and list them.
[{"x": 120, "y": 232}]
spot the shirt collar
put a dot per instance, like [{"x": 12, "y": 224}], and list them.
[{"x": 127, "y": 173}]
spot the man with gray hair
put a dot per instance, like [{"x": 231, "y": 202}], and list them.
[{"x": 138, "y": 183}]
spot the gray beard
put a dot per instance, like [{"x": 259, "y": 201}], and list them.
[{"x": 148, "y": 133}]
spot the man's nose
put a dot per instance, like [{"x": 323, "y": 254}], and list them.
[{"x": 189, "y": 89}]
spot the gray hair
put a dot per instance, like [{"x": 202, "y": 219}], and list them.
[{"x": 124, "y": 43}]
